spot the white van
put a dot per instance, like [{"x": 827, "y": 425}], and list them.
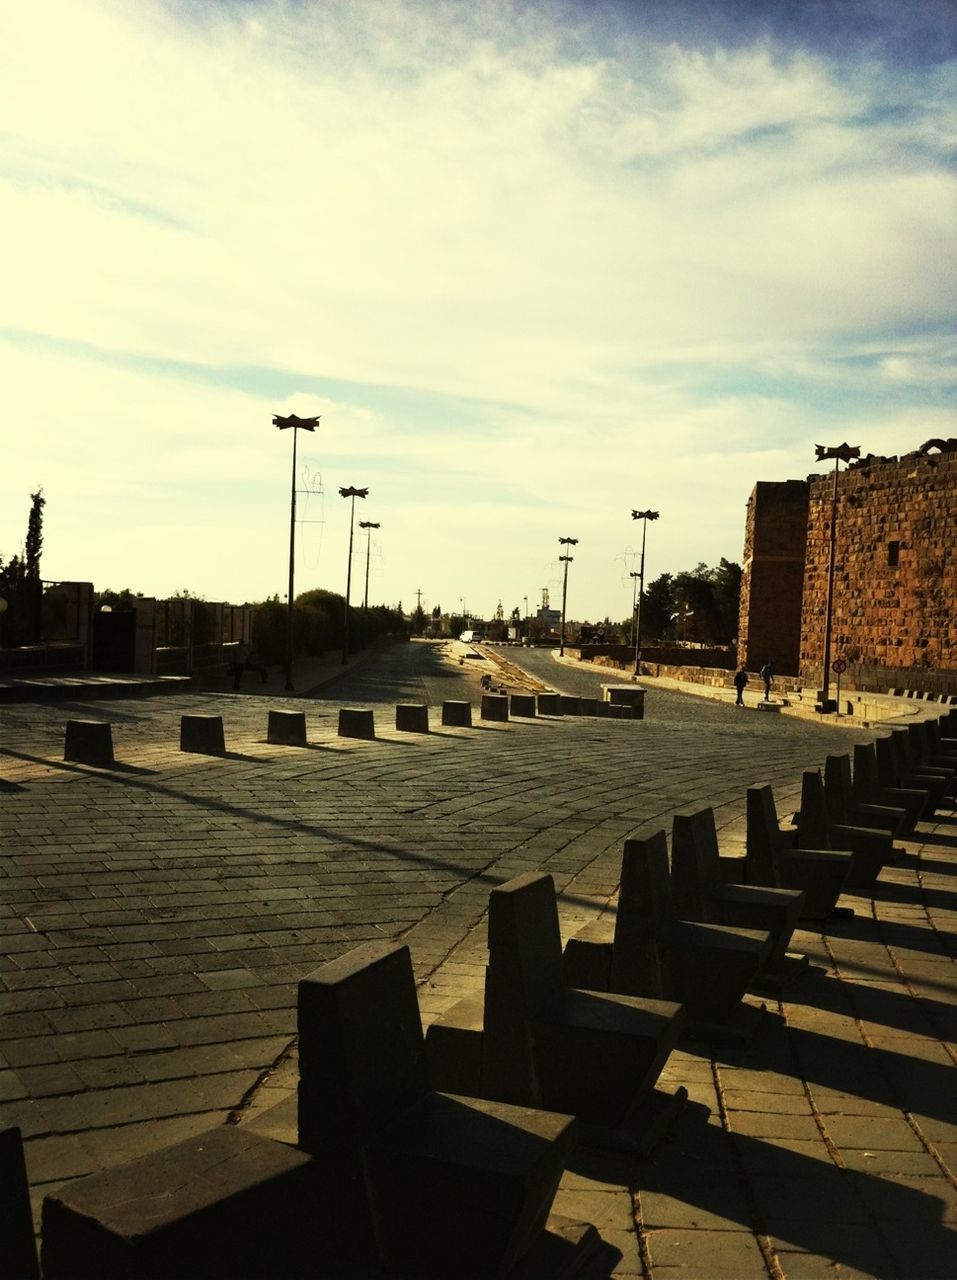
[{"x": 470, "y": 637}]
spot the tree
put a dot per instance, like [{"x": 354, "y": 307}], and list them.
[
  {"x": 34, "y": 543},
  {"x": 418, "y": 620}
]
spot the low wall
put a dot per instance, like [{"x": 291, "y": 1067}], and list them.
[{"x": 622, "y": 656}]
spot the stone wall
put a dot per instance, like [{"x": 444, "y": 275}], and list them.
[
  {"x": 769, "y": 628},
  {"x": 895, "y": 583}
]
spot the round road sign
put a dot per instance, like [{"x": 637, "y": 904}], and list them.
[{"x": 839, "y": 665}]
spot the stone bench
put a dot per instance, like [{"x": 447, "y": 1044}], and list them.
[
  {"x": 356, "y": 722},
  {"x": 868, "y": 788},
  {"x": 651, "y": 952},
  {"x": 494, "y": 706},
  {"x": 445, "y": 1186},
  {"x": 287, "y": 728},
  {"x": 457, "y": 714},
  {"x": 708, "y": 887},
  {"x": 411, "y": 717},
  {"x": 202, "y": 734},
  {"x": 535, "y": 1042},
  {"x": 773, "y": 860},
  {"x": 843, "y": 808},
  {"x": 869, "y": 848},
  {"x": 223, "y": 1204},
  {"x": 88, "y": 742}
]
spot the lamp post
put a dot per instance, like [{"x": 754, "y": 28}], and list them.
[
  {"x": 368, "y": 525},
  {"x": 565, "y": 542},
  {"x": 842, "y": 452},
  {"x": 297, "y": 424},
  {"x": 352, "y": 493},
  {"x": 644, "y": 517}
]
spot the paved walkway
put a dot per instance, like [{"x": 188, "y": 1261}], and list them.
[{"x": 156, "y": 916}]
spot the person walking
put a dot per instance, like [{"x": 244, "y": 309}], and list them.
[
  {"x": 740, "y": 684},
  {"x": 766, "y": 675}
]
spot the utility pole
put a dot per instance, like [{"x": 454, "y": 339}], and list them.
[{"x": 565, "y": 542}]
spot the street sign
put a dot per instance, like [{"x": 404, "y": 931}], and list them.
[{"x": 839, "y": 666}]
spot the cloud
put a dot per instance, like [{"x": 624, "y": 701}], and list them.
[{"x": 542, "y": 260}]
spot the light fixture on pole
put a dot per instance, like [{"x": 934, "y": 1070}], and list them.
[
  {"x": 368, "y": 525},
  {"x": 565, "y": 542},
  {"x": 644, "y": 517},
  {"x": 465, "y": 616},
  {"x": 840, "y": 453},
  {"x": 352, "y": 493},
  {"x": 297, "y": 424}
]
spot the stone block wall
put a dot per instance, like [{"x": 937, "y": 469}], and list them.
[
  {"x": 895, "y": 582},
  {"x": 769, "y": 628}
]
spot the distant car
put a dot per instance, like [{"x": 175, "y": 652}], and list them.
[{"x": 470, "y": 637}]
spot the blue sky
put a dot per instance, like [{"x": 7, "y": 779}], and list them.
[{"x": 535, "y": 264}]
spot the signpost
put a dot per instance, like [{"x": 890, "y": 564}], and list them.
[{"x": 839, "y": 666}]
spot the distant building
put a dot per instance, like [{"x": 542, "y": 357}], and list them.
[{"x": 894, "y": 609}]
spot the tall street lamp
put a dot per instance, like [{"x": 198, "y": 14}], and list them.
[
  {"x": 565, "y": 542},
  {"x": 368, "y": 525},
  {"x": 840, "y": 453},
  {"x": 644, "y": 517},
  {"x": 297, "y": 424},
  {"x": 352, "y": 493}
]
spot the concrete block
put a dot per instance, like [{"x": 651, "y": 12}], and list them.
[
  {"x": 88, "y": 742},
  {"x": 622, "y": 711},
  {"x": 17, "y": 1247},
  {"x": 548, "y": 704},
  {"x": 522, "y": 704},
  {"x": 455, "y": 1186},
  {"x": 458, "y": 714},
  {"x": 202, "y": 734},
  {"x": 411, "y": 717},
  {"x": 569, "y": 705},
  {"x": 630, "y": 695},
  {"x": 356, "y": 722},
  {"x": 287, "y": 728},
  {"x": 588, "y": 706},
  {"x": 223, "y": 1204},
  {"x": 494, "y": 706},
  {"x": 772, "y": 859}
]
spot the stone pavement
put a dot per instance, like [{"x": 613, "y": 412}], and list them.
[{"x": 156, "y": 916}]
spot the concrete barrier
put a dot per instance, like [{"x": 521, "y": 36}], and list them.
[
  {"x": 410, "y": 717},
  {"x": 548, "y": 704},
  {"x": 494, "y": 706},
  {"x": 88, "y": 742},
  {"x": 287, "y": 727},
  {"x": 569, "y": 705},
  {"x": 202, "y": 734},
  {"x": 628, "y": 695},
  {"x": 457, "y": 714},
  {"x": 356, "y": 722},
  {"x": 522, "y": 704}
]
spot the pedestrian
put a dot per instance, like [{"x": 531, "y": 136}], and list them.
[
  {"x": 237, "y": 663},
  {"x": 740, "y": 684},
  {"x": 766, "y": 674}
]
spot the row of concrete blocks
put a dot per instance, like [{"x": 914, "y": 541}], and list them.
[
  {"x": 91, "y": 741},
  {"x": 949, "y": 699}
]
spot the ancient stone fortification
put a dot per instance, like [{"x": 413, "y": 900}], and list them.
[{"x": 894, "y": 616}]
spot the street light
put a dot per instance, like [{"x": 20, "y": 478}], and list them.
[
  {"x": 840, "y": 453},
  {"x": 644, "y": 517},
  {"x": 297, "y": 424},
  {"x": 368, "y": 525},
  {"x": 352, "y": 493},
  {"x": 565, "y": 542}
]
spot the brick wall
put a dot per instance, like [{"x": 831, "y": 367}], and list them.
[
  {"x": 895, "y": 581},
  {"x": 769, "y": 627}
]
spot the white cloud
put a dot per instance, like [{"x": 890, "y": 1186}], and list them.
[{"x": 620, "y": 256}]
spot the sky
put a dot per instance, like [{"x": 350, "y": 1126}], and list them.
[{"x": 534, "y": 264}]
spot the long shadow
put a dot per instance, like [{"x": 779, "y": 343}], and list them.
[
  {"x": 946, "y": 840},
  {"x": 877, "y": 1226},
  {"x": 916, "y": 895},
  {"x": 918, "y": 1014},
  {"x": 11, "y": 786},
  {"x": 892, "y": 933},
  {"x": 346, "y": 838}
]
